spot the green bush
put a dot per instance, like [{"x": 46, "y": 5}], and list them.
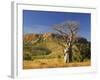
[
  {"x": 40, "y": 50},
  {"x": 85, "y": 49},
  {"x": 27, "y": 57},
  {"x": 59, "y": 56}
]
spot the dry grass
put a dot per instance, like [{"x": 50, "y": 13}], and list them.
[{"x": 51, "y": 63}]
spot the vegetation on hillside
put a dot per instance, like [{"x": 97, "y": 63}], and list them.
[{"x": 52, "y": 47}]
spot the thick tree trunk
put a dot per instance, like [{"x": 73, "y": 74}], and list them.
[
  {"x": 70, "y": 57},
  {"x": 66, "y": 58},
  {"x": 66, "y": 55},
  {"x": 70, "y": 54}
]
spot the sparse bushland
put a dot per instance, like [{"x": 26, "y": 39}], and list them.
[{"x": 46, "y": 53}]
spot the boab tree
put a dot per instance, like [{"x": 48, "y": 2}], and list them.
[{"x": 68, "y": 30}]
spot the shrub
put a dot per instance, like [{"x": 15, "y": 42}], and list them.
[
  {"x": 85, "y": 50},
  {"x": 40, "y": 50},
  {"x": 59, "y": 56},
  {"x": 27, "y": 56}
]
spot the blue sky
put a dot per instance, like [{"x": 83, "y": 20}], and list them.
[{"x": 42, "y": 21}]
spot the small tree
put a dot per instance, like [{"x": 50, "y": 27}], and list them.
[{"x": 69, "y": 31}]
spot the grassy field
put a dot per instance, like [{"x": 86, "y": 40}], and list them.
[{"x": 52, "y": 63}]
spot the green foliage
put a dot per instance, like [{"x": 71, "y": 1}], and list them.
[
  {"x": 59, "y": 56},
  {"x": 53, "y": 48},
  {"x": 76, "y": 57},
  {"x": 84, "y": 48},
  {"x": 37, "y": 49},
  {"x": 40, "y": 50},
  {"x": 27, "y": 56}
]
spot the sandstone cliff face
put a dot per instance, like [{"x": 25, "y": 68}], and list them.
[
  {"x": 47, "y": 35},
  {"x": 50, "y": 36},
  {"x": 30, "y": 37}
]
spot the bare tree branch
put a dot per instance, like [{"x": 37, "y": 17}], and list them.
[{"x": 68, "y": 30}]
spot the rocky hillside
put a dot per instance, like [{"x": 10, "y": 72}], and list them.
[{"x": 30, "y": 37}]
